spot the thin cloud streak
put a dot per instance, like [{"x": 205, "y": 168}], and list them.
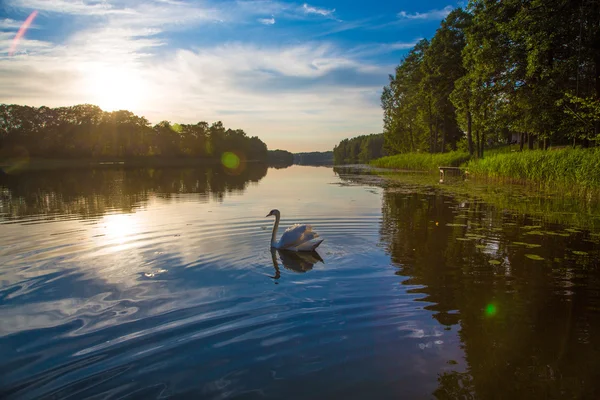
[
  {"x": 267, "y": 21},
  {"x": 315, "y": 10},
  {"x": 428, "y": 15}
]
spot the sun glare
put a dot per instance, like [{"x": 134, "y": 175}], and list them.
[
  {"x": 119, "y": 228},
  {"x": 115, "y": 89}
]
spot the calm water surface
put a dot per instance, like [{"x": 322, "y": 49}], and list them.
[{"x": 159, "y": 283}]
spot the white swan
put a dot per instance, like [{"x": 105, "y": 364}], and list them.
[{"x": 295, "y": 238}]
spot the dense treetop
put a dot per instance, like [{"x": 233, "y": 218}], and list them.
[
  {"x": 499, "y": 71},
  {"x": 360, "y": 149}
]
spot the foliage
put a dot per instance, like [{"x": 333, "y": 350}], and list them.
[
  {"x": 422, "y": 161},
  {"x": 418, "y": 113},
  {"x": 497, "y": 71},
  {"x": 280, "y": 157},
  {"x": 565, "y": 167},
  {"x": 312, "y": 158},
  {"x": 85, "y": 131},
  {"x": 360, "y": 149}
]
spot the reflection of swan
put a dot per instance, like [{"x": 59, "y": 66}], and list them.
[
  {"x": 295, "y": 261},
  {"x": 295, "y": 238}
]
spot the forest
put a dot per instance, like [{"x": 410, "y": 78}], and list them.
[
  {"x": 314, "y": 158},
  {"x": 280, "y": 157},
  {"x": 85, "y": 131},
  {"x": 360, "y": 149},
  {"x": 514, "y": 71}
]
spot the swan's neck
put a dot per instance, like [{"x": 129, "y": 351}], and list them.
[{"x": 275, "y": 226}]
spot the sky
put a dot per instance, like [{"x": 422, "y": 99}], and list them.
[{"x": 300, "y": 76}]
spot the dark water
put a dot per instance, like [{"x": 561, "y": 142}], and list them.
[{"x": 141, "y": 283}]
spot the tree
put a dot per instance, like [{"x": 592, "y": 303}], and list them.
[{"x": 85, "y": 131}]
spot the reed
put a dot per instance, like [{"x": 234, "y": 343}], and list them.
[
  {"x": 566, "y": 167},
  {"x": 422, "y": 161}
]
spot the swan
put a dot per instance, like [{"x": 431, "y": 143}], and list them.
[{"x": 295, "y": 238}]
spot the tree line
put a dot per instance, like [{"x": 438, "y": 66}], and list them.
[
  {"x": 496, "y": 72},
  {"x": 86, "y": 131},
  {"x": 360, "y": 149},
  {"x": 313, "y": 158},
  {"x": 280, "y": 157}
]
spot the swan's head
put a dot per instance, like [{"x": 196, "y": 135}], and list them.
[{"x": 273, "y": 212}]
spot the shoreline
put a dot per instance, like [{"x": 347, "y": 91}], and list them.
[
  {"x": 28, "y": 164},
  {"x": 554, "y": 205}
]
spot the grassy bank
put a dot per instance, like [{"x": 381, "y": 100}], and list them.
[
  {"x": 558, "y": 168},
  {"x": 422, "y": 161}
]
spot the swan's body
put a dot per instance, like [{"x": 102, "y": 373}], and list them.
[{"x": 295, "y": 238}]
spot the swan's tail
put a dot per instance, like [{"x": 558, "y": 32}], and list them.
[{"x": 309, "y": 245}]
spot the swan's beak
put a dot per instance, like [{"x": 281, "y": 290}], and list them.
[{"x": 268, "y": 215}]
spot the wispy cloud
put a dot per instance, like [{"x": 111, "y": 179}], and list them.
[
  {"x": 7, "y": 23},
  {"x": 316, "y": 10},
  {"x": 428, "y": 15},
  {"x": 271, "y": 91},
  {"x": 264, "y": 89},
  {"x": 77, "y": 7},
  {"x": 267, "y": 21},
  {"x": 374, "y": 49}
]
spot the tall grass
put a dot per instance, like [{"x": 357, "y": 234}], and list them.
[
  {"x": 566, "y": 167},
  {"x": 422, "y": 161}
]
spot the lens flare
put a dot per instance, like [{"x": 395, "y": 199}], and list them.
[
  {"x": 490, "y": 310},
  {"x": 21, "y": 32},
  {"x": 230, "y": 160}
]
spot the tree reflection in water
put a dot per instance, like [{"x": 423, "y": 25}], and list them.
[
  {"x": 543, "y": 338},
  {"x": 89, "y": 193}
]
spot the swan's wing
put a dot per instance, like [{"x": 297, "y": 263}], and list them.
[
  {"x": 296, "y": 235},
  {"x": 310, "y": 245}
]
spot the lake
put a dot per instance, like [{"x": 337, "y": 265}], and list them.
[{"x": 159, "y": 283}]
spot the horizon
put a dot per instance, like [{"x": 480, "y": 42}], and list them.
[{"x": 300, "y": 76}]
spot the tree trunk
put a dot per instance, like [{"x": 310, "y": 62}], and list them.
[
  {"x": 585, "y": 142},
  {"x": 431, "y": 145},
  {"x": 522, "y": 141},
  {"x": 443, "y": 137},
  {"x": 530, "y": 141},
  {"x": 435, "y": 138},
  {"x": 597, "y": 73},
  {"x": 477, "y": 142},
  {"x": 482, "y": 143},
  {"x": 469, "y": 134}
]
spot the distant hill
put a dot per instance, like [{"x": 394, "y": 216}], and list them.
[
  {"x": 314, "y": 158},
  {"x": 280, "y": 157}
]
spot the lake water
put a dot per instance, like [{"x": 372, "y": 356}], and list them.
[{"x": 159, "y": 283}]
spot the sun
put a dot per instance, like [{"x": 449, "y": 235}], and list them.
[{"x": 113, "y": 88}]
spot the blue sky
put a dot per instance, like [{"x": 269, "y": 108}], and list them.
[{"x": 301, "y": 76}]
